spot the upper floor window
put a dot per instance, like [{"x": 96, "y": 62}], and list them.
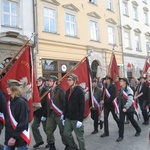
[
  {"x": 49, "y": 20},
  {"x": 147, "y": 45},
  {"x": 94, "y": 30},
  {"x": 145, "y": 1},
  {"x": 146, "y": 17},
  {"x": 127, "y": 39},
  {"x": 10, "y": 13},
  {"x": 109, "y": 5},
  {"x": 125, "y": 8},
  {"x": 111, "y": 35},
  {"x": 93, "y": 1},
  {"x": 70, "y": 25},
  {"x": 137, "y": 43},
  {"x": 135, "y": 13}
]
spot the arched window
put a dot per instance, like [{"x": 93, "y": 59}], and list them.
[{"x": 94, "y": 66}]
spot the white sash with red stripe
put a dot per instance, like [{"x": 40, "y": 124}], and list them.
[
  {"x": 107, "y": 93},
  {"x": 55, "y": 108},
  {"x": 2, "y": 118},
  {"x": 125, "y": 95},
  {"x": 115, "y": 103},
  {"x": 96, "y": 105},
  {"x": 25, "y": 135}
]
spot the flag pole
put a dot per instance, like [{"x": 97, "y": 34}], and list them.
[{"x": 13, "y": 58}]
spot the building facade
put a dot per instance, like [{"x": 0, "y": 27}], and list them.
[{"x": 135, "y": 27}]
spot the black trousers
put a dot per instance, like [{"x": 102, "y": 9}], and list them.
[
  {"x": 107, "y": 110},
  {"x": 94, "y": 116},
  {"x": 122, "y": 120}
]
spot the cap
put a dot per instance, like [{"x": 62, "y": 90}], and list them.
[
  {"x": 141, "y": 77},
  {"x": 52, "y": 77},
  {"x": 73, "y": 76},
  {"x": 13, "y": 82},
  {"x": 42, "y": 78},
  {"x": 124, "y": 79},
  {"x": 108, "y": 77}
]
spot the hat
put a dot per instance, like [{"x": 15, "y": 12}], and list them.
[
  {"x": 73, "y": 76},
  {"x": 13, "y": 82},
  {"x": 124, "y": 79},
  {"x": 108, "y": 77},
  {"x": 141, "y": 77},
  {"x": 94, "y": 80},
  {"x": 42, "y": 78},
  {"x": 52, "y": 77}
]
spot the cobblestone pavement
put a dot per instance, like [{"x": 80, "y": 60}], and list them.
[{"x": 94, "y": 142}]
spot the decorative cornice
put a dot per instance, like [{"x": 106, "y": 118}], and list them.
[
  {"x": 127, "y": 27},
  {"x": 71, "y": 7},
  {"x": 147, "y": 34},
  {"x": 54, "y": 2},
  {"x": 137, "y": 30},
  {"x": 145, "y": 9},
  {"x": 93, "y": 14},
  {"x": 135, "y": 3},
  {"x": 110, "y": 20}
]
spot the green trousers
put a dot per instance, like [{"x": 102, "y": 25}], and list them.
[{"x": 70, "y": 125}]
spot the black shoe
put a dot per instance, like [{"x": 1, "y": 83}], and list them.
[
  {"x": 94, "y": 132},
  {"x": 104, "y": 134},
  {"x": 38, "y": 144},
  {"x": 101, "y": 124},
  {"x": 146, "y": 122},
  {"x": 52, "y": 147},
  {"x": 127, "y": 122},
  {"x": 47, "y": 146},
  {"x": 137, "y": 133},
  {"x": 119, "y": 139}
]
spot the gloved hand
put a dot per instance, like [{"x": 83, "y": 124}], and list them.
[
  {"x": 62, "y": 117},
  {"x": 79, "y": 124},
  {"x": 43, "y": 118}
]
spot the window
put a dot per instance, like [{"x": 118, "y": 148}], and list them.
[
  {"x": 137, "y": 43},
  {"x": 10, "y": 13},
  {"x": 93, "y": 1},
  {"x": 109, "y": 5},
  {"x": 94, "y": 30},
  {"x": 135, "y": 14},
  {"x": 146, "y": 17},
  {"x": 111, "y": 35},
  {"x": 147, "y": 45},
  {"x": 70, "y": 25},
  {"x": 127, "y": 39},
  {"x": 49, "y": 20},
  {"x": 125, "y": 8},
  {"x": 145, "y": 1}
]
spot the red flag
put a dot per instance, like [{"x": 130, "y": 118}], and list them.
[
  {"x": 22, "y": 71},
  {"x": 146, "y": 66},
  {"x": 114, "y": 72},
  {"x": 82, "y": 72}
]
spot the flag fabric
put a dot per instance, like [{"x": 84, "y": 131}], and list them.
[
  {"x": 82, "y": 71},
  {"x": 22, "y": 70},
  {"x": 146, "y": 66},
  {"x": 114, "y": 72}
]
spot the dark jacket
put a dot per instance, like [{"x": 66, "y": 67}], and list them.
[
  {"x": 75, "y": 104},
  {"x": 112, "y": 90},
  {"x": 42, "y": 111},
  {"x": 3, "y": 108},
  {"x": 20, "y": 111},
  {"x": 126, "y": 103},
  {"x": 144, "y": 89},
  {"x": 58, "y": 97}
]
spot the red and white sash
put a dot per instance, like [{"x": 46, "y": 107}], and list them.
[
  {"x": 107, "y": 93},
  {"x": 55, "y": 108},
  {"x": 25, "y": 135},
  {"x": 96, "y": 105},
  {"x": 125, "y": 95},
  {"x": 115, "y": 103},
  {"x": 2, "y": 118}
]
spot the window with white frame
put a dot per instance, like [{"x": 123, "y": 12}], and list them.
[
  {"x": 70, "y": 25},
  {"x": 147, "y": 45},
  {"x": 109, "y": 5},
  {"x": 93, "y": 1},
  {"x": 49, "y": 20},
  {"x": 127, "y": 39},
  {"x": 146, "y": 17},
  {"x": 10, "y": 13},
  {"x": 135, "y": 13},
  {"x": 111, "y": 35},
  {"x": 94, "y": 30},
  {"x": 137, "y": 42},
  {"x": 125, "y": 8}
]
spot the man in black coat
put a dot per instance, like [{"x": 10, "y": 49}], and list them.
[{"x": 109, "y": 94}]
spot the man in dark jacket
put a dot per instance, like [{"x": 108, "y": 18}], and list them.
[
  {"x": 97, "y": 93},
  {"x": 142, "y": 95},
  {"x": 40, "y": 114},
  {"x": 18, "y": 118},
  {"x": 56, "y": 98},
  {"x": 125, "y": 102},
  {"x": 109, "y": 94},
  {"x": 74, "y": 114}
]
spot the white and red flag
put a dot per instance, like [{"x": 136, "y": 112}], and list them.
[
  {"x": 82, "y": 71},
  {"x": 146, "y": 66},
  {"x": 22, "y": 70}
]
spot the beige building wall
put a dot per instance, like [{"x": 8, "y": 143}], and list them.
[{"x": 59, "y": 46}]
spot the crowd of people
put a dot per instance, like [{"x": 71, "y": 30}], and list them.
[{"x": 66, "y": 110}]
